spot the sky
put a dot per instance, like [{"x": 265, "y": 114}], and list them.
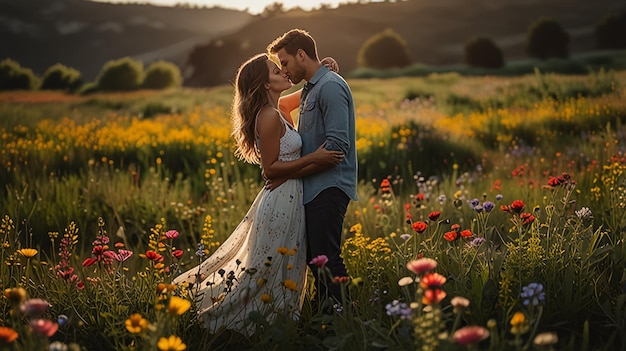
[{"x": 252, "y": 6}]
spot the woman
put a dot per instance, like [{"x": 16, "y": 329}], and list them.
[{"x": 262, "y": 266}]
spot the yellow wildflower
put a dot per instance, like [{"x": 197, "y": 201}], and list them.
[
  {"x": 519, "y": 325},
  {"x": 266, "y": 298},
  {"x": 291, "y": 285},
  {"x": 28, "y": 253},
  {"x": 282, "y": 250},
  {"x": 136, "y": 323},
  {"x": 178, "y": 305},
  {"x": 173, "y": 343}
]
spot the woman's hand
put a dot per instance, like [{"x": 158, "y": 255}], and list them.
[
  {"x": 327, "y": 157},
  {"x": 331, "y": 63}
]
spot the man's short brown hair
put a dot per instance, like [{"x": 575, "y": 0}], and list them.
[{"x": 292, "y": 41}]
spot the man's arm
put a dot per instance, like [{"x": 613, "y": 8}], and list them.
[{"x": 334, "y": 102}]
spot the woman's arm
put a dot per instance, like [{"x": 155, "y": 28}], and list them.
[
  {"x": 288, "y": 103},
  {"x": 270, "y": 129}
]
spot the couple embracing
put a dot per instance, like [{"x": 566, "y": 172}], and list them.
[{"x": 311, "y": 176}]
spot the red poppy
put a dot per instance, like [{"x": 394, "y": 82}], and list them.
[
  {"x": 385, "y": 185},
  {"x": 177, "y": 254},
  {"x": 466, "y": 233},
  {"x": 419, "y": 226},
  {"x": 341, "y": 279},
  {"x": 153, "y": 256},
  {"x": 419, "y": 197},
  {"x": 451, "y": 235},
  {"x": 517, "y": 206},
  {"x": 455, "y": 227},
  {"x": 433, "y": 216},
  {"x": 527, "y": 218}
]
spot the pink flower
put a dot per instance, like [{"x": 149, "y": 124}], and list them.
[
  {"x": 421, "y": 266},
  {"x": 44, "y": 327},
  {"x": 34, "y": 307},
  {"x": 470, "y": 335},
  {"x": 171, "y": 234},
  {"x": 319, "y": 261},
  {"x": 123, "y": 254},
  {"x": 89, "y": 261}
]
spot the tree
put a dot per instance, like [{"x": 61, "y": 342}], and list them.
[
  {"x": 547, "y": 38},
  {"x": 120, "y": 75},
  {"x": 386, "y": 49},
  {"x": 61, "y": 77},
  {"x": 483, "y": 52},
  {"x": 162, "y": 75},
  {"x": 610, "y": 32},
  {"x": 15, "y": 77}
]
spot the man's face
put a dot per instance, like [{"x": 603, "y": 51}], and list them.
[{"x": 291, "y": 66}]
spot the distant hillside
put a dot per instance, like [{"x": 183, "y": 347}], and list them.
[{"x": 85, "y": 35}]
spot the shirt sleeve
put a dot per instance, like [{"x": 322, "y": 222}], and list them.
[{"x": 334, "y": 105}]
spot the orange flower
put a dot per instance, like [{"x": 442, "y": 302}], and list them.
[
  {"x": 7, "y": 335},
  {"x": 432, "y": 280},
  {"x": 433, "y": 296},
  {"x": 451, "y": 235},
  {"x": 466, "y": 233}
]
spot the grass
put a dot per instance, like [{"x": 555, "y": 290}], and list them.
[{"x": 543, "y": 152}]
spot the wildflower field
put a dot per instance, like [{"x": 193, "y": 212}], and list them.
[{"x": 491, "y": 216}]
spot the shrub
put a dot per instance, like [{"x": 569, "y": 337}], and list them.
[
  {"x": 386, "y": 49},
  {"x": 546, "y": 39},
  {"x": 162, "y": 75},
  {"x": 119, "y": 75},
  {"x": 610, "y": 31},
  {"x": 483, "y": 52},
  {"x": 61, "y": 77},
  {"x": 15, "y": 77}
]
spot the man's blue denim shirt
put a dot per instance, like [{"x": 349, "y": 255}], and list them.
[{"x": 327, "y": 115}]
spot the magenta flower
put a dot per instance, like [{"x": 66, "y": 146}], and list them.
[
  {"x": 171, "y": 234},
  {"x": 122, "y": 255},
  {"x": 471, "y": 334},
  {"x": 319, "y": 261}
]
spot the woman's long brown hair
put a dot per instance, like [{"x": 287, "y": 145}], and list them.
[{"x": 250, "y": 97}]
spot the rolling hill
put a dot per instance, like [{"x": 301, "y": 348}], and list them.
[{"x": 85, "y": 34}]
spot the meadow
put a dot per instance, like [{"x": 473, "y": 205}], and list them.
[{"x": 491, "y": 217}]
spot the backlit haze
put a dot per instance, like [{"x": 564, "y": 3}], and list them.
[{"x": 252, "y": 6}]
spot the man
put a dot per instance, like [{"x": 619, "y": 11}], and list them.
[{"x": 326, "y": 116}]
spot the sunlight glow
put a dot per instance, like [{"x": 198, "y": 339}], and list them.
[{"x": 252, "y": 6}]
